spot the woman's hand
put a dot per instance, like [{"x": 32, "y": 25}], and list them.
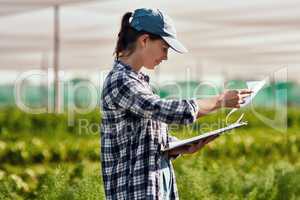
[
  {"x": 189, "y": 149},
  {"x": 228, "y": 99},
  {"x": 233, "y": 98}
]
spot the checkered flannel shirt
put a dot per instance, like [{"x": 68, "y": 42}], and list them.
[{"x": 133, "y": 130}]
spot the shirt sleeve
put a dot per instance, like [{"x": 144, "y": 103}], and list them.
[{"x": 132, "y": 95}]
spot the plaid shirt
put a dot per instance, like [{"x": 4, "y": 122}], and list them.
[{"x": 133, "y": 130}]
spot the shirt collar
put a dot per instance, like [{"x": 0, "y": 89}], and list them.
[{"x": 119, "y": 64}]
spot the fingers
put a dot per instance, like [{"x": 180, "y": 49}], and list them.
[
  {"x": 242, "y": 98},
  {"x": 245, "y": 91},
  {"x": 241, "y": 101},
  {"x": 233, "y": 98},
  {"x": 200, "y": 144},
  {"x": 242, "y": 95},
  {"x": 196, "y": 147},
  {"x": 193, "y": 148},
  {"x": 210, "y": 139}
]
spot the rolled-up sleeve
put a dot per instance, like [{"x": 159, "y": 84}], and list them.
[{"x": 130, "y": 94}]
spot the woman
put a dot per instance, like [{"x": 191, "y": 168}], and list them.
[{"x": 134, "y": 120}]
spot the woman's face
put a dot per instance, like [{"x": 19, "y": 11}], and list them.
[{"x": 154, "y": 52}]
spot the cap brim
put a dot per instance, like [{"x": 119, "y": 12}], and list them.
[{"x": 175, "y": 44}]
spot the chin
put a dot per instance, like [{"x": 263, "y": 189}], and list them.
[{"x": 150, "y": 67}]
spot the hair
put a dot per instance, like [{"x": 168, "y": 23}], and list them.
[{"x": 127, "y": 37}]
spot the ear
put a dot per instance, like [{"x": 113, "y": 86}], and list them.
[{"x": 143, "y": 39}]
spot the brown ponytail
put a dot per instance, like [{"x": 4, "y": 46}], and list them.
[
  {"x": 127, "y": 37},
  {"x": 122, "y": 43}
]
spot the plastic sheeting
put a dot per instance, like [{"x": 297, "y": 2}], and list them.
[{"x": 237, "y": 39}]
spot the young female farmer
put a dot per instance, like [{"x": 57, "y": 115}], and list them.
[{"x": 134, "y": 120}]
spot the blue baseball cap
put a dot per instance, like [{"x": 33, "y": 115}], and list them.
[{"x": 156, "y": 22}]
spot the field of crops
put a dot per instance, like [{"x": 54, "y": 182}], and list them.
[{"x": 41, "y": 157}]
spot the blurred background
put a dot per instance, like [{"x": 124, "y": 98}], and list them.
[{"x": 55, "y": 54}]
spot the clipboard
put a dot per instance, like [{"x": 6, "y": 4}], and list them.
[{"x": 196, "y": 139}]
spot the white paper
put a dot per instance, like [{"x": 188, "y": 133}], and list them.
[{"x": 255, "y": 86}]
